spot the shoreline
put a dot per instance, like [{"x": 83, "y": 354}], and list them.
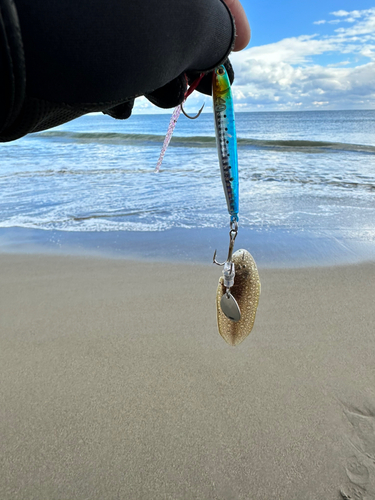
[
  {"x": 116, "y": 383},
  {"x": 275, "y": 248}
]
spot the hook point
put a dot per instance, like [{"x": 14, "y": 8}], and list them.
[
  {"x": 216, "y": 262},
  {"x": 191, "y": 117}
]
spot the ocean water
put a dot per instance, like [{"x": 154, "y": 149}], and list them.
[{"x": 305, "y": 175}]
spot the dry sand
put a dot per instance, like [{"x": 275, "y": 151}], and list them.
[{"x": 116, "y": 385}]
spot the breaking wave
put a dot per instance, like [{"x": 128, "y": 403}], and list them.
[{"x": 116, "y": 138}]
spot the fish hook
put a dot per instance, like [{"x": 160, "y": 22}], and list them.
[
  {"x": 232, "y": 237},
  {"x": 191, "y": 117},
  {"x": 215, "y": 261}
]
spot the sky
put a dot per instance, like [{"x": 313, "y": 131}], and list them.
[{"x": 303, "y": 55}]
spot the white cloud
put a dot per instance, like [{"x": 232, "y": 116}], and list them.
[
  {"x": 340, "y": 13},
  {"x": 353, "y": 14},
  {"x": 289, "y": 73},
  {"x": 364, "y": 22},
  {"x": 294, "y": 50}
]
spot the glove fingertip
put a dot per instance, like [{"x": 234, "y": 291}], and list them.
[
  {"x": 121, "y": 111},
  {"x": 170, "y": 95}
]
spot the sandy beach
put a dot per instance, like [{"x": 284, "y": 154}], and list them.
[{"x": 116, "y": 385}]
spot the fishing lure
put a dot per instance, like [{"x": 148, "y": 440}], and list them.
[
  {"x": 246, "y": 289},
  {"x": 235, "y": 311},
  {"x": 173, "y": 121}
]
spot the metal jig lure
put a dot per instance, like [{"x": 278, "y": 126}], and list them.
[
  {"x": 235, "y": 311},
  {"x": 233, "y": 326}
]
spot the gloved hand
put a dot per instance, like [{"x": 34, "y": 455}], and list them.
[{"x": 61, "y": 58}]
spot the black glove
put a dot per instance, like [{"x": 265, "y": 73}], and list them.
[
  {"x": 173, "y": 93},
  {"x": 60, "y": 59}
]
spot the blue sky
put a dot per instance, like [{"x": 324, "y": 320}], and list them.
[
  {"x": 273, "y": 20},
  {"x": 303, "y": 55}
]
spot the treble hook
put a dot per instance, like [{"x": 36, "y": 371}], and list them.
[
  {"x": 232, "y": 236},
  {"x": 191, "y": 117}
]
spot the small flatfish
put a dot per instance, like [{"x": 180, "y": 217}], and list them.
[{"x": 246, "y": 291}]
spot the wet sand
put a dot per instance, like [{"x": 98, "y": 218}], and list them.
[{"x": 116, "y": 385}]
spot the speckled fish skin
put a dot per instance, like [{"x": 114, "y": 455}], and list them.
[{"x": 246, "y": 291}]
